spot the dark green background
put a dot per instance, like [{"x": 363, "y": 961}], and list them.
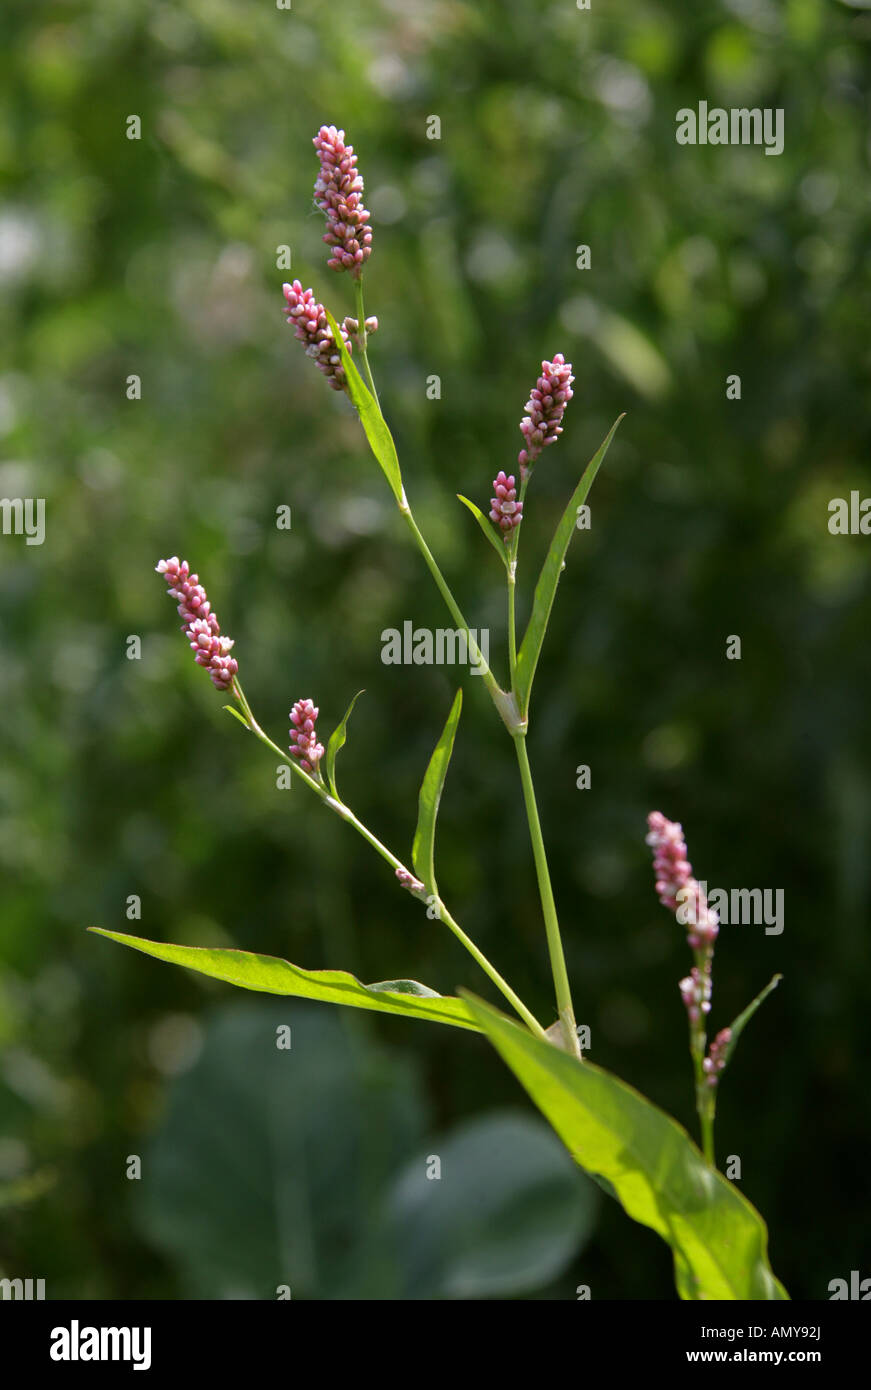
[{"x": 158, "y": 257}]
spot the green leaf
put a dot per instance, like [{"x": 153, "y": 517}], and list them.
[
  {"x": 373, "y": 422},
  {"x": 511, "y": 1214},
  {"x": 487, "y": 527},
  {"x": 719, "y": 1241},
  {"x": 337, "y": 741},
  {"x": 324, "y": 1147},
  {"x": 307, "y": 1138},
  {"x": 236, "y": 715},
  {"x": 423, "y": 849},
  {"x": 545, "y": 589},
  {"x": 270, "y": 975},
  {"x": 744, "y": 1018}
]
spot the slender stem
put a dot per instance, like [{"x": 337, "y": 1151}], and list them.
[
  {"x": 347, "y": 814},
  {"x": 503, "y": 701},
  {"x": 706, "y": 1120},
  {"x": 554, "y": 940},
  {"x": 506, "y": 704},
  {"x": 504, "y": 988},
  {"x": 515, "y": 539},
  {"x": 706, "y": 1096},
  {"x": 512, "y": 584},
  {"x": 362, "y": 338},
  {"x": 512, "y": 630}
]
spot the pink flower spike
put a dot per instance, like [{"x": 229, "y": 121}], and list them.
[
  {"x": 199, "y": 625},
  {"x": 542, "y": 423},
  {"x": 675, "y": 886},
  {"x": 505, "y": 511},
  {"x": 338, "y": 194},
  {"x": 303, "y": 736},
  {"x": 309, "y": 320}
]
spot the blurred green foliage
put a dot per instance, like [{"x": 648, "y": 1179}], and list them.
[{"x": 157, "y": 257}]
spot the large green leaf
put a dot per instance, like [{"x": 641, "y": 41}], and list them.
[
  {"x": 326, "y": 1144},
  {"x": 507, "y": 1212},
  {"x": 545, "y": 589},
  {"x": 271, "y": 1161},
  {"x": 270, "y": 975},
  {"x": 373, "y": 422},
  {"x": 423, "y": 848},
  {"x": 660, "y": 1178}
]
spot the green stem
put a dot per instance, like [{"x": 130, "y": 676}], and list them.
[
  {"x": 490, "y": 970},
  {"x": 554, "y": 940},
  {"x": 706, "y": 1120},
  {"x": 706, "y": 1096},
  {"x": 346, "y": 814},
  {"x": 504, "y": 702},
  {"x": 362, "y": 337},
  {"x": 512, "y": 584},
  {"x": 512, "y": 630}
]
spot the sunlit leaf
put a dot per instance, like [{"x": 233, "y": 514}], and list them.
[
  {"x": 718, "y": 1240},
  {"x": 270, "y": 975}
]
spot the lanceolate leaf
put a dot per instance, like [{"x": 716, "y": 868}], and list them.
[
  {"x": 373, "y": 422},
  {"x": 231, "y": 709},
  {"x": 487, "y": 527},
  {"x": 270, "y": 975},
  {"x": 545, "y": 589},
  {"x": 718, "y": 1240},
  {"x": 337, "y": 741},
  {"x": 423, "y": 849},
  {"x": 744, "y": 1018}
]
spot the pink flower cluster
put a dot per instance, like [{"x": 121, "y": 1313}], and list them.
[
  {"x": 505, "y": 511},
  {"x": 200, "y": 625},
  {"x": 338, "y": 191},
  {"x": 542, "y": 423},
  {"x": 308, "y": 318},
  {"x": 303, "y": 736},
  {"x": 716, "y": 1058},
  {"x": 677, "y": 889}
]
